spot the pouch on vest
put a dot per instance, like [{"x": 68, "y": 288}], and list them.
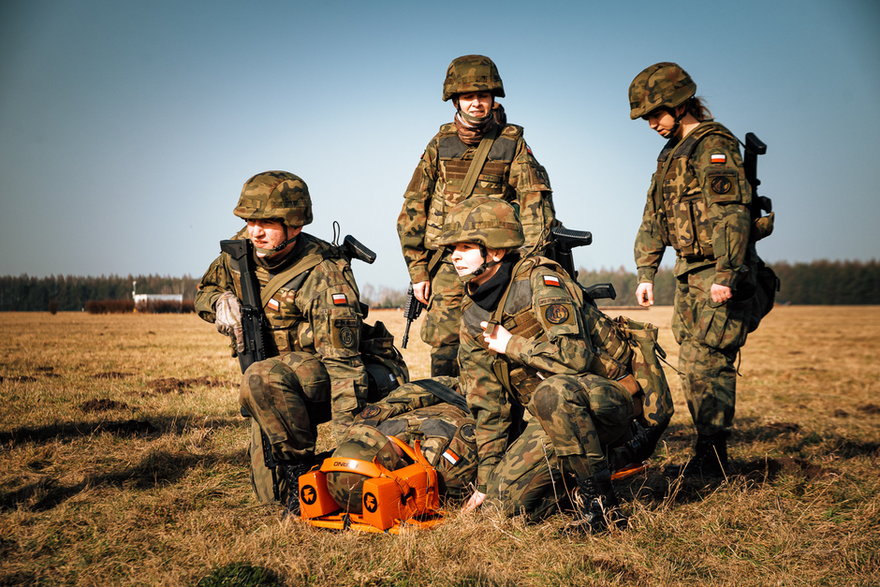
[{"x": 657, "y": 407}]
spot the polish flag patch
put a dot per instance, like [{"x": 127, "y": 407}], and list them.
[
  {"x": 551, "y": 280},
  {"x": 339, "y": 299},
  {"x": 273, "y": 304},
  {"x": 718, "y": 158},
  {"x": 451, "y": 457}
]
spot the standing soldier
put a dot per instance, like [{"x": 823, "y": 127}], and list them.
[
  {"x": 530, "y": 340},
  {"x": 476, "y": 154},
  {"x": 310, "y": 301},
  {"x": 698, "y": 203}
]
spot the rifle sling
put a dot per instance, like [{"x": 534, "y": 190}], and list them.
[
  {"x": 480, "y": 156},
  {"x": 443, "y": 393},
  {"x": 277, "y": 282},
  {"x": 499, "y": 365}
]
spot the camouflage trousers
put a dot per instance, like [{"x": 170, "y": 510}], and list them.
[
  {"x": 582, "y": 415},
  {"x": 710, "y": 335},
  {"x": 288, "y": 396},
  {"x": 441, "y": 326},
  {"x": 528, "y": 480}
]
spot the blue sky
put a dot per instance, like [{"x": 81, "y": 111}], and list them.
[{"x": 127, "y": 128}]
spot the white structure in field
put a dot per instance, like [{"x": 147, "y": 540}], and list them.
[{"x": 142, "y": 302}]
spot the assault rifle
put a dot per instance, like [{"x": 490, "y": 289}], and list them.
[
  {"x": 254, "y": 328},
  {"x": 258, "y": 343},
  {"x": 754, "y": 147},
  {"x": 411, "y": 311},
  {"x": 562, "y": 241}
]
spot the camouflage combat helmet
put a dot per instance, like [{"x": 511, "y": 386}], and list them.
[
  {"x": 472, "y": 73},
  {"x": 663, "y": 84},
  {"x": 367, "y": 444},
  {"x": 488, "y": 221},
  {"x": 275, "y": 194}
]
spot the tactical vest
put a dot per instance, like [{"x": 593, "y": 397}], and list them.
[
  {"x": 611, "y": 353},
  {"x": 454, "y": 160},
  {"x": 287, "y": 323},
  {"x": 447, "y": 437},
  {"x": 679, "y": 202}
]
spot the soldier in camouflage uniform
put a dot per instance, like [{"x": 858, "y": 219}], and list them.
[
  {"x": 698, "y": 204},
  {"x": 430, "y": 410},
  {"x": 310, "y": 300},
  {"x": 530, "y": 340},
  {"x": 446, "y": 174},
  {"x": 433, "y": 411}
]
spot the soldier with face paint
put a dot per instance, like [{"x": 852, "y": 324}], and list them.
[
  {"x": 698, "y": 204},
  {"x": 310, "y": 300},
  {"x": 534, "y": 354},
  {"x": 477, "y": 154}
]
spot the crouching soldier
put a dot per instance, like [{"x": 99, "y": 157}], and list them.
[
  {"x": 530, "y": 341},
  {"x": 315, "y": 323}
]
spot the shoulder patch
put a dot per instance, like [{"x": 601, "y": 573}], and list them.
[
  {"x": 719, "y": 158},
  {"x": 273, "y": 304},
  {"x": 340, "y": 299},
  {"x": 552, "y": 280},
  {"x": 556, "y": 313}
]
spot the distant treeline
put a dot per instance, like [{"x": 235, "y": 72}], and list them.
[
  {"x": 72, "y": 293},
  {"x": 817, "y": 282}
]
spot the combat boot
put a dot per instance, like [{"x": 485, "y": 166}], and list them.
[
  {"x": 710, "y": 456},
  {"x": 596, "y": 505},
  {"x": 291, "y": 472},
  {"x": 635, "y": 450}
]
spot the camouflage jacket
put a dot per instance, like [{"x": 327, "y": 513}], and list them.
[
  {"x": 315, "y": 310},
  {"x": 511, "y": 172},
  {"x": 446, "y": 432},
  {"x": 554, "y": 332},
  {"x": 698, "y": 203}
]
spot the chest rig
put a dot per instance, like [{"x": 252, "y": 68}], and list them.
[
  {"x": 454, "y": 161},
  {"x": 611, "y": 355},
  {"x": 289, "y": 328},
  {"x": 680, "y": 206}
]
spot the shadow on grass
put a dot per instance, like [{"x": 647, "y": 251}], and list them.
[
  {"x": 121, "y": 428},
  {"x": 160, "y": 467}
]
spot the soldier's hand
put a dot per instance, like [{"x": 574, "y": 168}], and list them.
[
  {"x": 497, "y": 338},
  {"x": 422, "y": 291},
  {"x": 645, "y": 294},
  {"x": 473, "y": 502},
  {"x": 228, "y": 318},
  {"x": 720, "y": 293}
]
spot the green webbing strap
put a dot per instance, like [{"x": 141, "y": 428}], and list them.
[
  {"x": 499, "y": 365},
  {"x": 277, "y": 282},
  {"x": 482, "y": 152}
]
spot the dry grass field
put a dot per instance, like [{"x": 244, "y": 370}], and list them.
[{"x": 122, "y": 461}]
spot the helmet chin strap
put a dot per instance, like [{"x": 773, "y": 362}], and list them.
[
  {"x": 674, "y": 130},
  {"x": 486, "y": 265},
  {"x": 274, "y": 250},
  {"x": 473, "y": 120}
]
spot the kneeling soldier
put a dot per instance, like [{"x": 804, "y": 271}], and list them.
[
  {"x": 310, "y": 302},
  {"x": 529, "y": 340}
]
